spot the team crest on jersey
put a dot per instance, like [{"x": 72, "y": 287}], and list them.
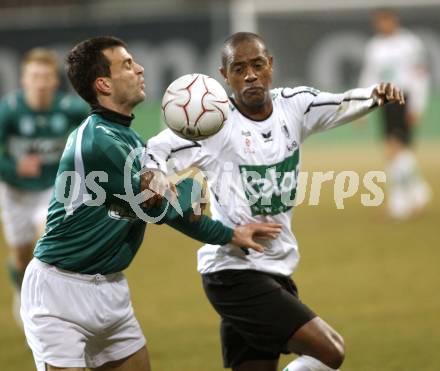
[
  {"x": 248, "y": 147},
  {"x": 26, "y": 125},
  {"x": 271, "y": 189},
  {"x": 292, "y": 146}
]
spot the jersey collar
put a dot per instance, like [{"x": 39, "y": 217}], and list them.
[{"x": 113, "y": 116}]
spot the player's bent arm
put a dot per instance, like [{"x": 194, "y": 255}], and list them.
[
  {"x": 167, "y": 145},
  {"x": 205, "y": 229}
]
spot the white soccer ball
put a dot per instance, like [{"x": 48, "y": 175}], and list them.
[{"x": 195, "y": 106}]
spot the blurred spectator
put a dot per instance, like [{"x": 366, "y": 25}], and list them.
[{"x": 34, "y": 124}]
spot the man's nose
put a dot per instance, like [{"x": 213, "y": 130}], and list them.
[
  {"x": 250, "y": 75},
  {"x": 139, "y": 68}
]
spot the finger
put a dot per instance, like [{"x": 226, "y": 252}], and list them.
[
  {"x": 254, "y": 246},
  {"x": 268, "y": 237},
  {"x": 391, "y": 93},
  {"x": 264, "y": 229},
  {"x": 274, "y": 225},
  {"x": 402, "y": 97},
  {"x": 382, "y": 88}
]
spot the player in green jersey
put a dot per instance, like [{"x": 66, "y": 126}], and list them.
[
  {"x": 76, "y": 307},
  {"x": 34, "y": 124}
]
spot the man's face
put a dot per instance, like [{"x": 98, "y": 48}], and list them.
[
  {"x": 248, "y": 71},
  {"x": 127, "y": 77},
  {"x": 385, "y": 24},
  {"x": 39, "y": 80}
]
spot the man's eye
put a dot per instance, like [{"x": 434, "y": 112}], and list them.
[{"x": 237, "y": 69}]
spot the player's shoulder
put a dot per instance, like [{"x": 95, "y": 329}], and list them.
[
  {"x": 70, "y": 102},
  {"x": 101, "y": 128},
  {"x": 12, "y": 101},
  {"x": 289, "y": 93}
]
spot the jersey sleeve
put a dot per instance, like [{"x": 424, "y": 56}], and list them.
[
  {"x": 7, "y": 164},
  {"x": 166, "y": 151},
  {"x": 322, "y": 111},
  {"x": 110, "y": 156}
]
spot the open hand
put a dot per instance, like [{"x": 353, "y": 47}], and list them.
[
  {"x": 387, "y": 92},
  {"x": 244, "y": 235}
]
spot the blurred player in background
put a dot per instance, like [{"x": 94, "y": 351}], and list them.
[
  {"x": 76, "y": 305},
  {"x": 397, "y": 55},
  {"x": 34, "y": 124},
  {"x": 252, "y": 166}
]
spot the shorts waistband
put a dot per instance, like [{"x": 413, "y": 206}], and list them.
[{"x": 90, "y": 278}]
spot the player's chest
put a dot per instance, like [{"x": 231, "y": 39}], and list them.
[
  {"x": 55, "y": 124},
  {"x": 265, "y": 142}
]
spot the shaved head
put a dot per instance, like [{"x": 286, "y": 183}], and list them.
[{"x": 237, "y": 38}]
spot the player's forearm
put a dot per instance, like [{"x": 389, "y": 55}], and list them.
[
  {"x": 331, "y": 110},
  {"x": 180, "y": 216},
  {"x": 205, "y": 230}
]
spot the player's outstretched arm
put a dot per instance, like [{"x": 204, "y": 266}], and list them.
[{"x": 324, "y": 111}]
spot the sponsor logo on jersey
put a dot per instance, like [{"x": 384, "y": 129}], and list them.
[
  {"x": 271, "y": 189},
  {"x": 246, "y": 133},
  {"x": 49, "y": 149}
]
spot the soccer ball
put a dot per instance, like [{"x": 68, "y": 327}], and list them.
[{"x": 195, "y": 106}]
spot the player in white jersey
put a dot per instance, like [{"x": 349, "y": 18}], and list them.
[
  {"x": 251, "y": 167},
  {"x": 397, "y": 55}
]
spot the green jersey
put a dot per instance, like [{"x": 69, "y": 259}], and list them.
[
  {"x": 89, "y": 228},
  {"x": 25, "y": 131}
]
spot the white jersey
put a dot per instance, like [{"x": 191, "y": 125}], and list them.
[
  {"x": 252, "y": 168},
  {"x": 400, "y": 59}
]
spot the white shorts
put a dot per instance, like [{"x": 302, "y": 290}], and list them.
[
  {"x": 23, "y": 214},
  {"x": 77, "y": 320}
]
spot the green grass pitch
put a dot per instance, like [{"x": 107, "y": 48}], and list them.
[{"x": 375, "y": 280}]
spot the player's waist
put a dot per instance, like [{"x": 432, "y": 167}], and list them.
[{"x": 75, "y": 276}]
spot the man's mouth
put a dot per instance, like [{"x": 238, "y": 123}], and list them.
[{"x": 253, "y": 90}]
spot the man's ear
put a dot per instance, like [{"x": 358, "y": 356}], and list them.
[
  {"x": 103, "y": 85},
  {"x": 271, "y": 61},
  {"x": 222, "y": 71}
]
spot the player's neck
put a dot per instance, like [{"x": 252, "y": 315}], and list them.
[
  {"x": 258, "y": 113},
  {"x": 124, "y": 109},
  {"x": 37, "y": 102}
]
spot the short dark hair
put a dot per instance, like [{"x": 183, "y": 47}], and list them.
[
  {"x": 236, "y": 39},
  {"x": 86, "y": 62}
]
